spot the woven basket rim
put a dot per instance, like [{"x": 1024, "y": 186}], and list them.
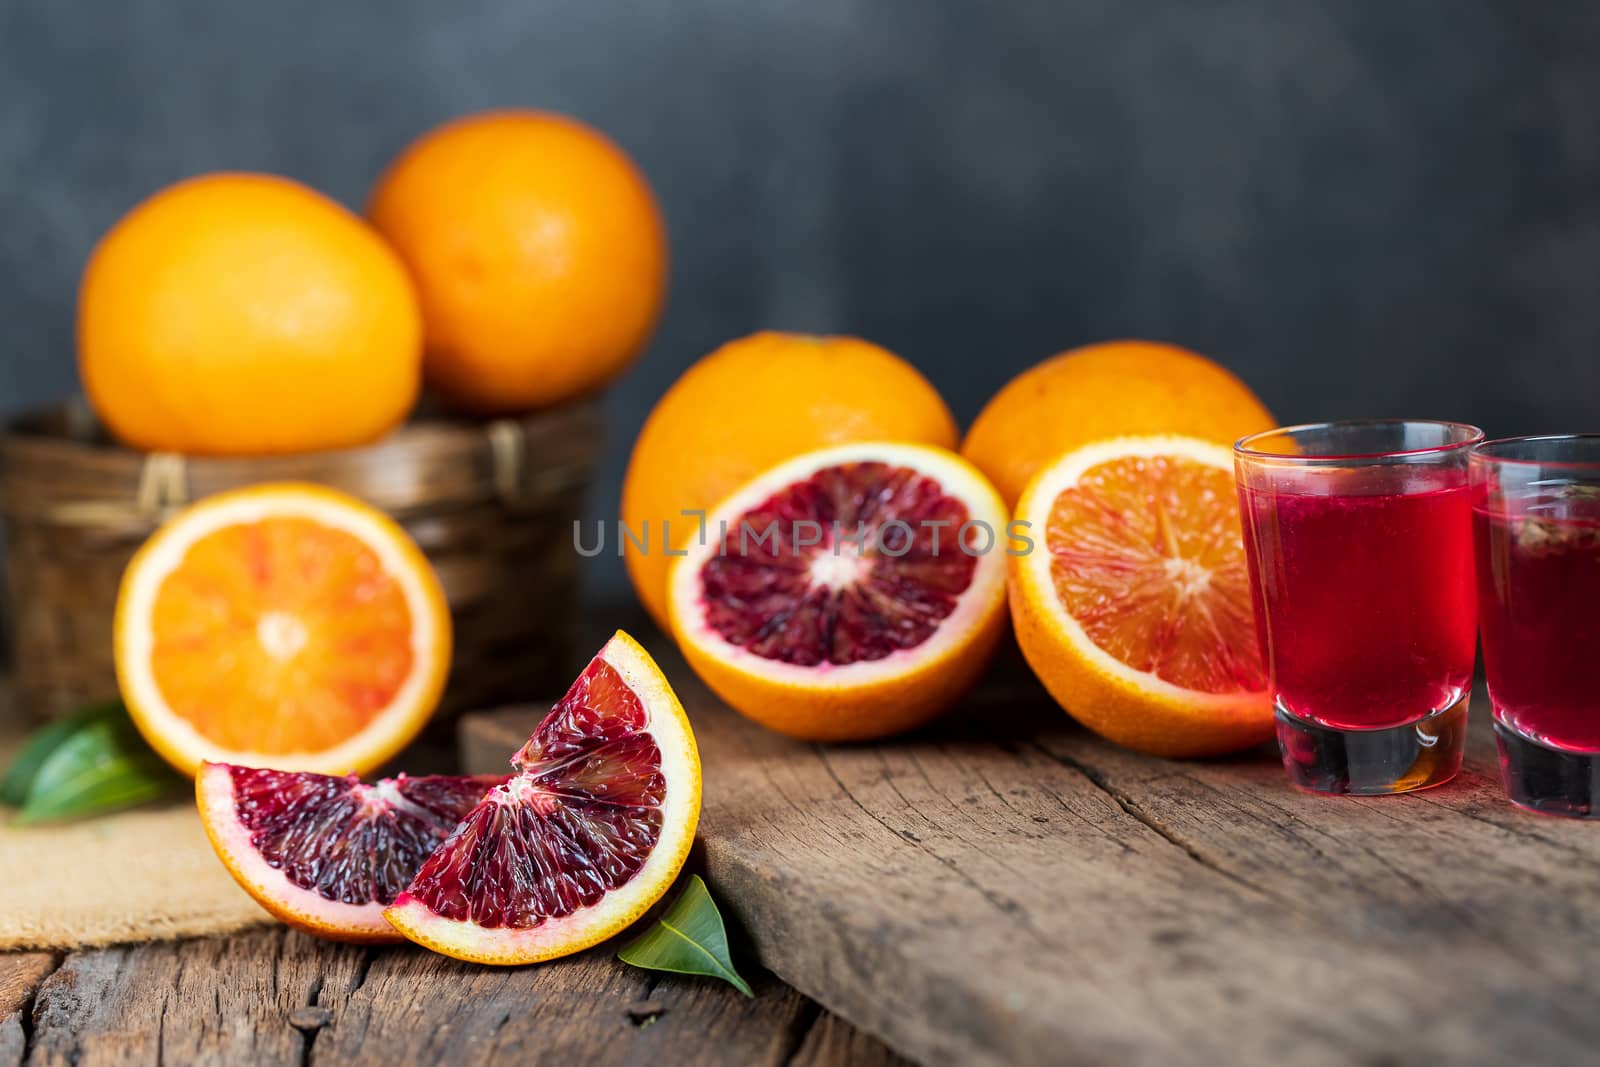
[{"x": 55, "y": 462}]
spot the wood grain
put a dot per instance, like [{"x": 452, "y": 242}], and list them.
[
  {"x": 278, "y": 997},
  {"x": 20, "y": 976},
  {"x": 1006, "y": 888}
]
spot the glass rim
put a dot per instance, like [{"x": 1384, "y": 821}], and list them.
[
  {"x": 1242, "y": 449},
  {"x": 1484, "y": 451}
]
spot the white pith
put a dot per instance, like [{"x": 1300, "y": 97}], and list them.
[
  {"x": 281, "y": 635},
  {"x": 956, "y": 478},
  {"x": 838, "y": 568},
  {"x": 680, "y": 766},
  {"x": 1034, "y": 569},
  {"x": 1190, "y": 578}
]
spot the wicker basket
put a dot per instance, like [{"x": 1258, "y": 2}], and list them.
[{"x": 492, "y": 505}]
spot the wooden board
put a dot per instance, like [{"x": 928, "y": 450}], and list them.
[
  {"x": 278, "y": 997},
  {"x": 1006, "y": 888}
]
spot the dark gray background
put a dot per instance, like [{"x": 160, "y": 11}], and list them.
[{"x": 1362, "y": 206}]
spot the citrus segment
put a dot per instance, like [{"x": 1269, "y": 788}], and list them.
[
  {"x": 1134, "y": 606},
  {"x": 849, "y": 593},
  {"x": 283, "y": 625},
  {"x": 327, "y": 854},
  {"x": 590, "y": 831}
]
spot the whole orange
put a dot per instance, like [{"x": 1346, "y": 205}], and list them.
[
  {"x": 749, "y": 405},
  {"x": 245, "y": 314},
  {"x": 538, "y": 251},
  {"x": 1106, "y": 390}
]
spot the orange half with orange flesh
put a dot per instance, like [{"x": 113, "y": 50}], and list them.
[
  {"x": 284, "y": 625},
  {"x": 1133, "y": 606}
]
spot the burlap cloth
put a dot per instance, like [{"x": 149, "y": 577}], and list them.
[{"x": 139, "y": 875}]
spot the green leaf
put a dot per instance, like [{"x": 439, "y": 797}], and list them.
[
  {"x": 102, "y": 766},
  {"x": 25, "y": 765},
  {"x": 688, "y": 939}
]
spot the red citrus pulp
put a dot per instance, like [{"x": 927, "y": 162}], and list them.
[
  {"x": 847, "y": 594},
  {"x": 582, "y": 840},
  {"x": 328, "y": 854}
]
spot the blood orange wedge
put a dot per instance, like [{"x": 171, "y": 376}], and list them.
[
  {"x": 284, "y": 625},
  {"x": 847, "y": 594},
  {"x": 1133, "y": 607},
  {"x": 329, "y": 854},
  {"x": 582, "y": 840}
]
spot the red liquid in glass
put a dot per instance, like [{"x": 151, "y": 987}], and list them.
[
  {"x": 1539, "y": 587},
  {"x": 1365, "y": 602}
]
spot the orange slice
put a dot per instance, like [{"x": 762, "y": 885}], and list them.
[
  {"x": 284, "y": 625},
  {"x": 1133, "y": 606},
  {"x": 583, "y": 839}
]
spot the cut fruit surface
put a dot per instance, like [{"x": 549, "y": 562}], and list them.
[
  {"x": 283, "y": 625},
  {"x": 582, "y": 840},
  {"x": 847, "y": 594},
  {"x": 1134, "y": 606},
  {"x": 328, "y": 854}
]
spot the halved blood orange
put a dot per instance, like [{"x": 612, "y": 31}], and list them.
[
  {"x": 582, "y": 840},
  {"x": 1133, "y": 606},
  {"x": 847, "y": 594},
  {"x": 329, "y": 854},
  {"x": 284, "y": 625}
]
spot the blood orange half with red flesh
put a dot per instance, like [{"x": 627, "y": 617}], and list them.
[
  {"x": 847, "y": 594},
  {"x": 324, "y": 853},
  {"x": 582, "y": 840}
]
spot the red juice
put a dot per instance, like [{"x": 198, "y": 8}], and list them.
[
  {"x": 1539, "y": 590},
  {"x": 1364, "y": 596}
]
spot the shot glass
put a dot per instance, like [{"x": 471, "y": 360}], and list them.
[
  {"x": 1359, "y": 536},
  {"x": 1536, "y": 514}
]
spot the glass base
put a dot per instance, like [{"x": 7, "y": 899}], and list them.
[
  {"x": 1548, "y": 780},
  {"x": 1400, "y": 759}
]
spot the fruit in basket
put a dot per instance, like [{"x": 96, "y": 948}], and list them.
[
  {"x": 752, "y": 403},
  {"x": 857, "y": 591},
  {"x": 245, "y": 314},
  {"x": 328, "y": 854},
  {"x": 588, "y": 833},
  {"x": 538, "y": 250},
  {"x": 1133, "y": 607},
  {"x": 283, "y": 625},
  {"x": 1106, "y": 390}
]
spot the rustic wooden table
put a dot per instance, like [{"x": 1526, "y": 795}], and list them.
[
  {"x": 1001, "y": 889},
  {"x": 274, "y": 996}
]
